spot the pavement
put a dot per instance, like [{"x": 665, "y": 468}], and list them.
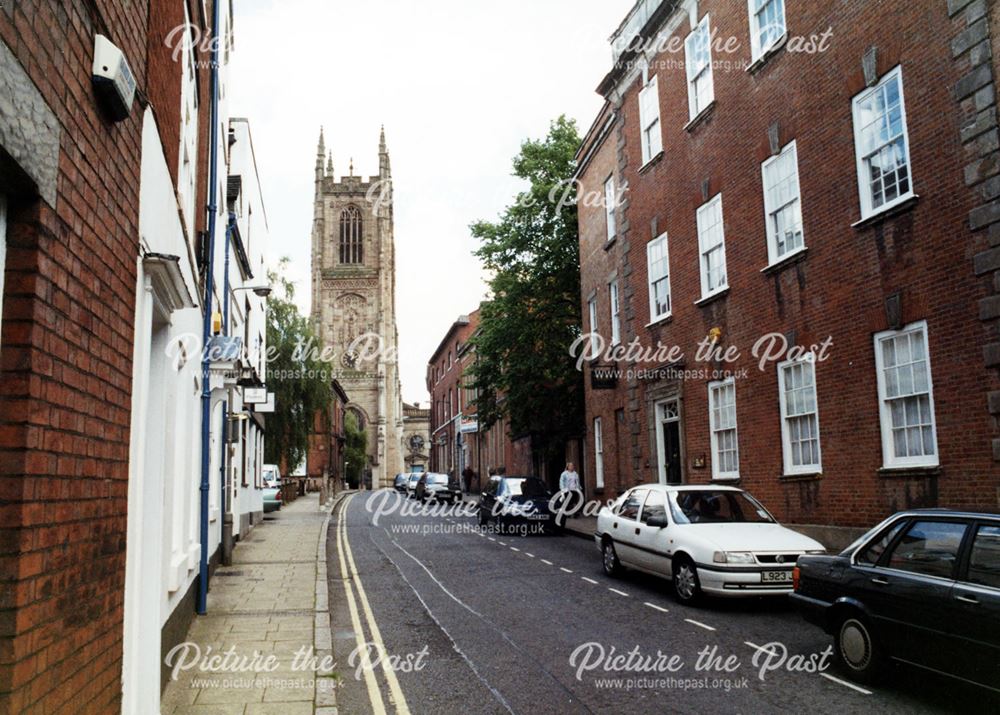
[
  {"x": 468, "y": 621},
  {"x": 271, "y": 602}
]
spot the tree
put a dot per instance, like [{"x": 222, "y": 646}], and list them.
[
  {"x": 524, "y": 371},
  {"x": 355, "y": 449},
  {"x": 301, "y": 384}
]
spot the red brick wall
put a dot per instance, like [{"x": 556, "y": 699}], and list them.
[
  {"x": 66, "y": 376},
  {"x": 839, "y": 289},
  {"x": 599, "y": 259},
  {"x": 450, "y": 378}
]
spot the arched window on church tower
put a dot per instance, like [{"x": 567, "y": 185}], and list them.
[{"x": 351, "y": 245}]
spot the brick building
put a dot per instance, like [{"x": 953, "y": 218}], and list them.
[
  {"x": 325, "y": 460},
  {"x": 800, "y": 174},
  {"x": 103, "y": 261},
  {"x": 457, "y": 440}
]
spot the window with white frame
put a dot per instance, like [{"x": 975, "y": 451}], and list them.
[
  {"x": 616, "y": 323},
  {"x": 609, "y": 206},
  {"x": 767, "y": 25},
  {"x": 882, "y": 145},
  {"x": 3, "y": 252},
  {"x": 649, "y": 118},
  {"x": 906, "y": 397},
  {"x": 658, "y": 270},
  {"x": 698, "y": 61},
  {"x": 783, "y": 204},
  {"x": 594, "y": 332},
  {"x": 799, "y": 416},
  {"x": 722, "y": 419},
  {"x": 712, "y": 247},
  {"x": 598, "y": 453}
]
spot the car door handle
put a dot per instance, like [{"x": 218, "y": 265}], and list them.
[
  {"x": 880, "y": 581},
  {"x": 638, "y": 531},
  {"x": 967, "y": 599}
]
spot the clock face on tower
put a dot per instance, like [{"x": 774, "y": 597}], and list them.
[{"x": 350, "y": 360}]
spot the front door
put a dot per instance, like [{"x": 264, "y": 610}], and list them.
[{"x": 668, "y": 417}]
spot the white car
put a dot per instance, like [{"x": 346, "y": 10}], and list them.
[
  {"x": 272, "y": 475},
  {"x": 709, "y": 539}
]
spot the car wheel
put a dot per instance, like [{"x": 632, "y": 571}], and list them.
[
  {"x": 856, "y": 648},
  {"x": 612, "y": 566},
  {"x": 687, "y": 587}
]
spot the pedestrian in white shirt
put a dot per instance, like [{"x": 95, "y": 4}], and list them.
[
  {"x": 570, "y": 494},
  {"x": 569, "y": 481}
]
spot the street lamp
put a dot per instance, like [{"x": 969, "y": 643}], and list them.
[{"x": 259, "y": 291}]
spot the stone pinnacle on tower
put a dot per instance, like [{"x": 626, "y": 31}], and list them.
[
  {"x": 320, "y": 155},
  {"x": 329, "y": 163},
  {"x": 384, "y": 169}
]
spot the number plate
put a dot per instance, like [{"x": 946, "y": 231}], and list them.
[{"x": 776, "y": 577}]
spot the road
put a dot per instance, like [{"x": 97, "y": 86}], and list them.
[{"x": 469, "y": 621}]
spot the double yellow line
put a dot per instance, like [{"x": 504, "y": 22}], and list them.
[{"x": 349, "y": 573}]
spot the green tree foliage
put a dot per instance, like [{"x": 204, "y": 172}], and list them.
[
  {"x": 355, "y": 449},
  {"x": 301, "y": 384},
  {"x": 524, "y": 371}
]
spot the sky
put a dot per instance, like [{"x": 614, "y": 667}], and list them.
[{"x": 458, "y": 84}]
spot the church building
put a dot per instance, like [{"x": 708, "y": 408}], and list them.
[{"x": 354, "y": 302}]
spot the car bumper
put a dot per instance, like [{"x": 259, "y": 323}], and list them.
[
  {"x": 813, "y": 610},
  {"x": 270, "y": 506},
  {"x": 444, "y": 496},
  {"x": 736, "y": 583}
]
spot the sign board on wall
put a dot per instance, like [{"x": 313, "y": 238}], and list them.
[{"x": 254, "y": 395}]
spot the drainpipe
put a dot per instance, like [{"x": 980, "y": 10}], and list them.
[
  {"x": 206, "y": 391},
  {"x": 227, "y": 512}
]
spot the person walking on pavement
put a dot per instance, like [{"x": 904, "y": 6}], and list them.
[
  {"x": 570, "y": 494},
  {"x": 467, "y": 476}
]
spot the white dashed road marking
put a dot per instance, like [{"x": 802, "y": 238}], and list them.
[
  {"x": 756, "y": 647},
  {"x": 699, "y": 624},
  {"x": 655, "y": 607},
  {"x": 589, "y": 580},
  {"x": 563, "y": 568},
  {"x": 852, "y": 686},
  {"x": 547, "y": 562},
  {"x": 620, "y": 593}
]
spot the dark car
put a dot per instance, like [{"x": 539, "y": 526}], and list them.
[
  {"x": 923, "y": 587},
  {"x": 438, "y": 487},
  {"x": 517, "y": 502},
  {"x": 399, "y": 484}
]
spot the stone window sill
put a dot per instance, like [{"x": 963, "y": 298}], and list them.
[
  {"x": 886, "y": 213},
  {"x": 786, "y": 261},
  {"x": 910, "y": 472},
  {"x": 653, "y": 161},
  {"x": 712, "y": 298},
  {"x": 700, "y": 118},
  {"x": 770, "y": 52}
]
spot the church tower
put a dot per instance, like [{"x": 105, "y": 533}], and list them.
[{"x": 354, "y": 300}]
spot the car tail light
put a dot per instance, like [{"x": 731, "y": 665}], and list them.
[
  {"x": 277, "y": 497},
  {"x": 795, "y": 579}
]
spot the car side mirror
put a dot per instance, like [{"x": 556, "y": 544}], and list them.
[{"x": 658, "y": 522}]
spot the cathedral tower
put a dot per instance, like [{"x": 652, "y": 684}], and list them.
[{"x": 354, "y": 300}]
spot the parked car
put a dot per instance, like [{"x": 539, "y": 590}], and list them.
[
  {"x": 517, "y": 501},
  {"x": 271, "y": 475},
  {"x": 922, "y": 587},
  {"x": 272, "y": 499},
  {"x": 714, "y": 540},
  {"x": 411, "y": 484},
  {"x": 399, "y": 484},
  {"x": 438, "y": 487}
]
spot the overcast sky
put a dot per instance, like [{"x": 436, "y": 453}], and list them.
[{"x": 457, "y": 83}]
